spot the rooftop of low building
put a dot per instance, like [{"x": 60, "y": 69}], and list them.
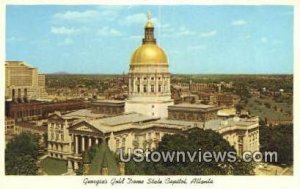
[
  {"x": 82, "y": 113},
  {"x": 202, "y": 107}
]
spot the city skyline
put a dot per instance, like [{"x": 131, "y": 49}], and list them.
[{"x": 224, "y": 40}]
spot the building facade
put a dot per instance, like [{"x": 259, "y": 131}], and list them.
[
  {"x": 243, "y": 134},
  {"x": 123, "y": 132},
  {"x": 111, "y": 107},
  {"x": 193, "y": 112},
  {"x": 35, "y": 110},
  {"x": 23, "y": 82},
  {"x": 59, "y": 140}
]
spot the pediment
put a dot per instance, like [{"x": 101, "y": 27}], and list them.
[
  {"x": 84, "y": 127},
  {"x": 56, "y": 117}
]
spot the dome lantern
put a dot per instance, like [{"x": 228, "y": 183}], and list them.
[
  {"x": 149, "y": 32},
  {"x": 149, "y": 52}
]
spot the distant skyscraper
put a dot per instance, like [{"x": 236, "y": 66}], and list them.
[
  {"x": 149, "y": 78},
  {"x": 23, "y": 82}
]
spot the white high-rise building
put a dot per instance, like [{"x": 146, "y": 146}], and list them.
[{"x": 149, "y": 78}]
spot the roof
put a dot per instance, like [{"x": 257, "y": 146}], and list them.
[
  {"x": 17, "y": 63},
  {"x": 227, "y": 112},
  {"x": 123, "y": 119},
  {"x": 201, "y": 107},
  {"x": 218, "y": 124},
  {"x": 86, "y": 113},
  {"x": 149, "y": 54},
  {"x": 131, "y": 121},
  {"x": 176, "y": 122},
  {"x": 110, "y": 101}
]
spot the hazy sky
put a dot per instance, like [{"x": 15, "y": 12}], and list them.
[{"x": 197, "y": 39}]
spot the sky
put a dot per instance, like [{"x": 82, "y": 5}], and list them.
[{"x": 197, "y": 39}]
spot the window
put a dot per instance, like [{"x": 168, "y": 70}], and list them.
[
  {"x": 152, "y": 88},
  {"x": 145, "y": 88},
  {"x": 152, "y": 78},
  {"x": 159, "y": 88}
]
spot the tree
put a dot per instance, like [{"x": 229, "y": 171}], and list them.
[
  {"x": 21, "y": 155},
  {"x": 278, "y": 139},
  {"x": 191, "y": 141}
]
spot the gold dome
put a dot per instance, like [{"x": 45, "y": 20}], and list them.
[{"x": 149, "y": 54}]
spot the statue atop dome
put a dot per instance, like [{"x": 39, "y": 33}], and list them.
[
  {"x": 149, "y": 23},
  {"x": 149, "y": 16}
]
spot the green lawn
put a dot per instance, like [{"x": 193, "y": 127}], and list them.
[
  {"x": 54, "y": 166},
  {"x": 262, "y": 111}
]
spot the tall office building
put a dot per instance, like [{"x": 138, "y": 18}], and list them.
[{"x": 23, "y": 82}]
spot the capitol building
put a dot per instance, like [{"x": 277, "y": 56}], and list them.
[
  {"x": 141, "y": 120},
  {"x": 149, "y": 113}
]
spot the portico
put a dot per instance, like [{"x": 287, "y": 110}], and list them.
[
  {"x": 84, "y": 136},
  {"x": 82, "y": 142}
]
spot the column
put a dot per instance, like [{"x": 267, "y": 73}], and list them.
[
  {"x": 90, "y": 141},
  {"x": 148, "y": 84},
  {"x": 134, "y": 87},
  {"x": 97, "y": 141},
  {"x": 82, "y": 144},
  {"x": 70, "y": 167},
  {"x": 70, "y": 144},
  {"x": 156, "y": 83},
  {"x": 76, "y": 166},
  {"x": 129, "y": 85},
  {"x": 169, "y": 84},
  {"x": 76, "y": 145},
  {"x": 141, "y": 87}
]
